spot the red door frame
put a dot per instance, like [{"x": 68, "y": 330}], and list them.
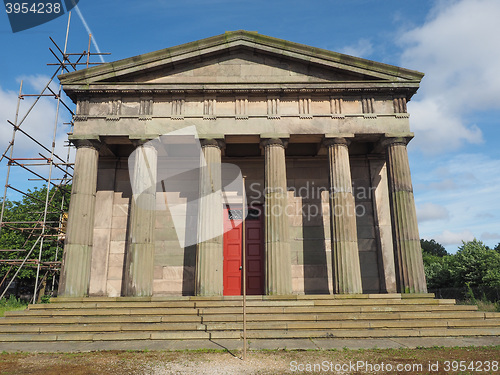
[{"x": 254, "y": 245}]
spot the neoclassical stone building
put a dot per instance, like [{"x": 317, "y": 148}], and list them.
[{"x": 320, "y": 136}]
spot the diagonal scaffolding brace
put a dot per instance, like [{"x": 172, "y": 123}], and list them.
[{"x": 43, "y": 228}]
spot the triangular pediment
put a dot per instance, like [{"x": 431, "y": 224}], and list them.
[
  {"x": 242, "y": 66},
  {"x": 239, "y": 57}
]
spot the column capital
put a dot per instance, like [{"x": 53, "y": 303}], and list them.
[
  {"x": 94, "y": 144},
  {"x": 282, "y": 142},
  {"x": 142, "y": 142},
  {"x": 336, "y": 141},
  {"x": 213, "y": 142},
  {"x": 389, "y": 140}
]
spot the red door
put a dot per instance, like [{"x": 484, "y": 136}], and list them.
[{"x": 254, "y": 245}]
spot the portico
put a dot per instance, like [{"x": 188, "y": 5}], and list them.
[{"x": 320, "y": 136}]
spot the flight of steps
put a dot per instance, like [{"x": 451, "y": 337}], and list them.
[{"x": 268, "y": 317}]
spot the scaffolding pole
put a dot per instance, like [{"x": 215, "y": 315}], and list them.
[{"x": 42, "y": 229}]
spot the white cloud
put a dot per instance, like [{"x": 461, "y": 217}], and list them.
[
  {"x": 38, "y": 82},
  {"x": 39, "y": 124},
  {"x": 430, "y": 212},
  {"x": 458, "y": 51},
  {"x": 471, "y": 205},
  {"x": 446, "y": 184},
  {"x": 453, "y": 238},
  {"x": 362, "y": 48},
  {"x": 490, "y": 236},
  {"x": 439, "y": 129},
  {"x": 485, "y": 215}
]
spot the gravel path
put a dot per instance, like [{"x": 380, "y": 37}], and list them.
[{"x": 225, "y": 362}]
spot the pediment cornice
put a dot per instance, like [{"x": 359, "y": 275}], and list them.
[{"x": 116, "y": 73}]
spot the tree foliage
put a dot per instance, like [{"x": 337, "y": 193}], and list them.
[
  {"x": 497, "y": 248},
  {"x": 23, "y": 215},
  {"x": 474, "y": 265},
  {"x": 437, "y": 271},
  {"x": 434, "y": 248}
]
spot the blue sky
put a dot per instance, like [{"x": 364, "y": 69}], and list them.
[{"x": 455, "y": 157}]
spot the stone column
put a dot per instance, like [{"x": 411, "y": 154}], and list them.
[
  {"x": 75, "y": 275},
  {"x": 407, "y": 252},
  {"x": 141, "y": 244},
  {"x": 209, "y": 249},
  {"x": 344, "y": 237},
  {"x": 278, "y": 259},
  {"x": 382, "y": 215}
]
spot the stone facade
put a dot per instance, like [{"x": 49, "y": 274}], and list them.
[{"x": 320, "y": 136}]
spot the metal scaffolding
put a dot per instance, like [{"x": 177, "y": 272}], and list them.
[{"x": 44, "y": 229}]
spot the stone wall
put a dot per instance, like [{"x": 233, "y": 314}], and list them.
[{"x": 308, "y": 214}]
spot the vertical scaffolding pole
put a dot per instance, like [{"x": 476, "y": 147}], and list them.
[
  {"x": 244, "y": 211},
  {"x": 42, "y": 228},
  {"x": 10, "y": 154},
  {"x": 51, "y": 163}
]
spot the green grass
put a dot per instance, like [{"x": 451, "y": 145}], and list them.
[
  {"x": 482, "y": 305},
  {"x": 11, "y": 304}
]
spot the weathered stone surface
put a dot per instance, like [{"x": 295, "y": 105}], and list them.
[
  {"x": 378, "y": 172},
  {"x": 209, "y": 250},
  {"x": 140, "y": 252},
  {"x": 347, "y": 273},
  {"x": 75, "y": 275},
  {"x": 99, "y": 265},
  {"x": 244, "y": 88},
  {"x": 278, "y": 279},
  {"x": 408, "y": 254}
]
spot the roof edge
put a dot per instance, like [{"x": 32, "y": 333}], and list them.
[{"x": 231, "y": 37}]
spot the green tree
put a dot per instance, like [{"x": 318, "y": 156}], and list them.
[
  {"x": 21, "y": 230},
  {"x": 475, "y": 264},
  {"x": 497, "y": 248},
  {"x": 433, "y": 247},
  {"x": 437, "y": 271}
]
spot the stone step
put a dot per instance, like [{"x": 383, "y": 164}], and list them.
[
  {"x": 109, "y": 336},
  {"x": 345, "y": 316},
  {"x": 204, "y": 318},
  {"x": 314, "y": 297},
  {"x": 238, "y": 311},
  {"x": 104, "y": 312},
  {"x": 366, "y": 324},
  {"x": 333, "y": 309},
  {"x": 99, "y": 319},
  {"x": 113, "y": 327},
  {"x": 250, "y": 303},
  {"x": 364, "y": 333},
  {"x": 229, "y": 326},
  {"x": 251, "y": 334},
  {"x": 210, "y": 318},
  {"x": 235, "y": 310},
  {"x": 171, "y": 304}
]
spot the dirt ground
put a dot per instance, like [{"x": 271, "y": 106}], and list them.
[{"x": 483, "y": 360}]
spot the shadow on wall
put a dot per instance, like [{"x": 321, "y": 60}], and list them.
[{"x": 314, "y": 252}]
